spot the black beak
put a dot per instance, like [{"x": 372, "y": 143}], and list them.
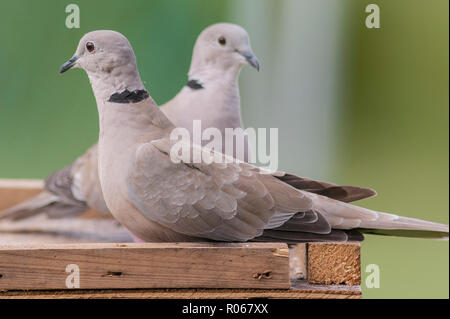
[
  {"x": 69, "y": 64},
  {"x": 250, "y": 57}
]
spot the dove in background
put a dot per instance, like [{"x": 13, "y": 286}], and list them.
[
  {"x": 211, "y": 96},
  {"x": 158, "y": 199}
]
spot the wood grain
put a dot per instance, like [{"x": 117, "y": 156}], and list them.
[
  {"x": 334, "y": 263},
  {"x": 147, "y": 265},
  {"x": 300, "y": 290}
]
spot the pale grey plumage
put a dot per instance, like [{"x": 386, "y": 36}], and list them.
[
  {"x": 159, "y": 199},
  {"x": 216, "y": 103}
]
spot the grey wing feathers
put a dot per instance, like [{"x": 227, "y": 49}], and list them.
[
  {"x": 342, "y": 193},
  {"x": 311, "y": 221},
  {"x": 272, "y": 235},
  {"x": 61, "y": 184},
  {"x": 218, "y": 201},
  {"x": 309, "y": 226}
]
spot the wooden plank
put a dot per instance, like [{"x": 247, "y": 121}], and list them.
[
  {"x": 300, "y": 290},
  {"x": 334, "y": 263},
  {"x": 146, "y": 265}
]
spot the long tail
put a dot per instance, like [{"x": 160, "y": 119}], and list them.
[
  {"x": 406, "y": 233},
  {"x": 44, "y": 202},
  {"x": 342, "y": 193},
  {"x": 347, "y": 216}
]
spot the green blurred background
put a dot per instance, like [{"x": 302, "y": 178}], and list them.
[{"x": 353, "y": 105}]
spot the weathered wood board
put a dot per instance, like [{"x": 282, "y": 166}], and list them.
[
  {"x": 299, "y": 290},
  {"x": 147, "y": 265}
]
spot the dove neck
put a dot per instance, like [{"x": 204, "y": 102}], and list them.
[
  {"x": 106, "y": 84},
  {"x": 125, "y": 97},
  {"x": 209, "y": 73},
  {"x": 218, "y": 88},
  {"x": 140, "y": 117},
  {"x": 124, "y": 105},
  {"x": 215, "y": 100}
]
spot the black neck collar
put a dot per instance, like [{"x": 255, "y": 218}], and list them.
[
  {"x": 195, "y": 84},
  {"x": 126, "y": 96}
]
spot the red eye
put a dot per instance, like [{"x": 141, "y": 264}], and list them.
[{"x": 90, "y": 46}]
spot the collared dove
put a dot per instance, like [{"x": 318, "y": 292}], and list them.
[
  {"x": 159, "y": 196},
  {"x": 211, "y": 96}
]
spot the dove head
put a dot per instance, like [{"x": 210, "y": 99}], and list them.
[
  {"x": 108, "y": 59},
  {"x": 223, "y": 47}
]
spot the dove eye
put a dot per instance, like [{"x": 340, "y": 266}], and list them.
[
  {"x": 90, "y": 46},
  {"x": 222, "y": 41}
]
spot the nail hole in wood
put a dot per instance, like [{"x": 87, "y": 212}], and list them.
[
  {"x": 113, "y": 274},
  {"x": 263, "y": 275}
]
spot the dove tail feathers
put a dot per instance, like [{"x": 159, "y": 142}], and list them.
[
  {"x": 347, "y": 216},
  {"x": 342, "y": 193},
  {"x": 30, "y": 207},
  {"x": 44, "y": 202},
  {"x": 406, "y": 233}
]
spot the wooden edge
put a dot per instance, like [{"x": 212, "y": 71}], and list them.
[
  {"x": 281, "y": 248},
  {"x": 21, "y": 183},
  {"x": 300, "y": 290}
]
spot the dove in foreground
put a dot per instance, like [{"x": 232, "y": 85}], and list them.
[
  {"x": 161, "y": 198},
  {"x": 211, "y": 96}
]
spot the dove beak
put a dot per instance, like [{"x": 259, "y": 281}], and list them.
[
  {"x": 250, "y": 58},
  {"x": 69, "y": 64}
]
